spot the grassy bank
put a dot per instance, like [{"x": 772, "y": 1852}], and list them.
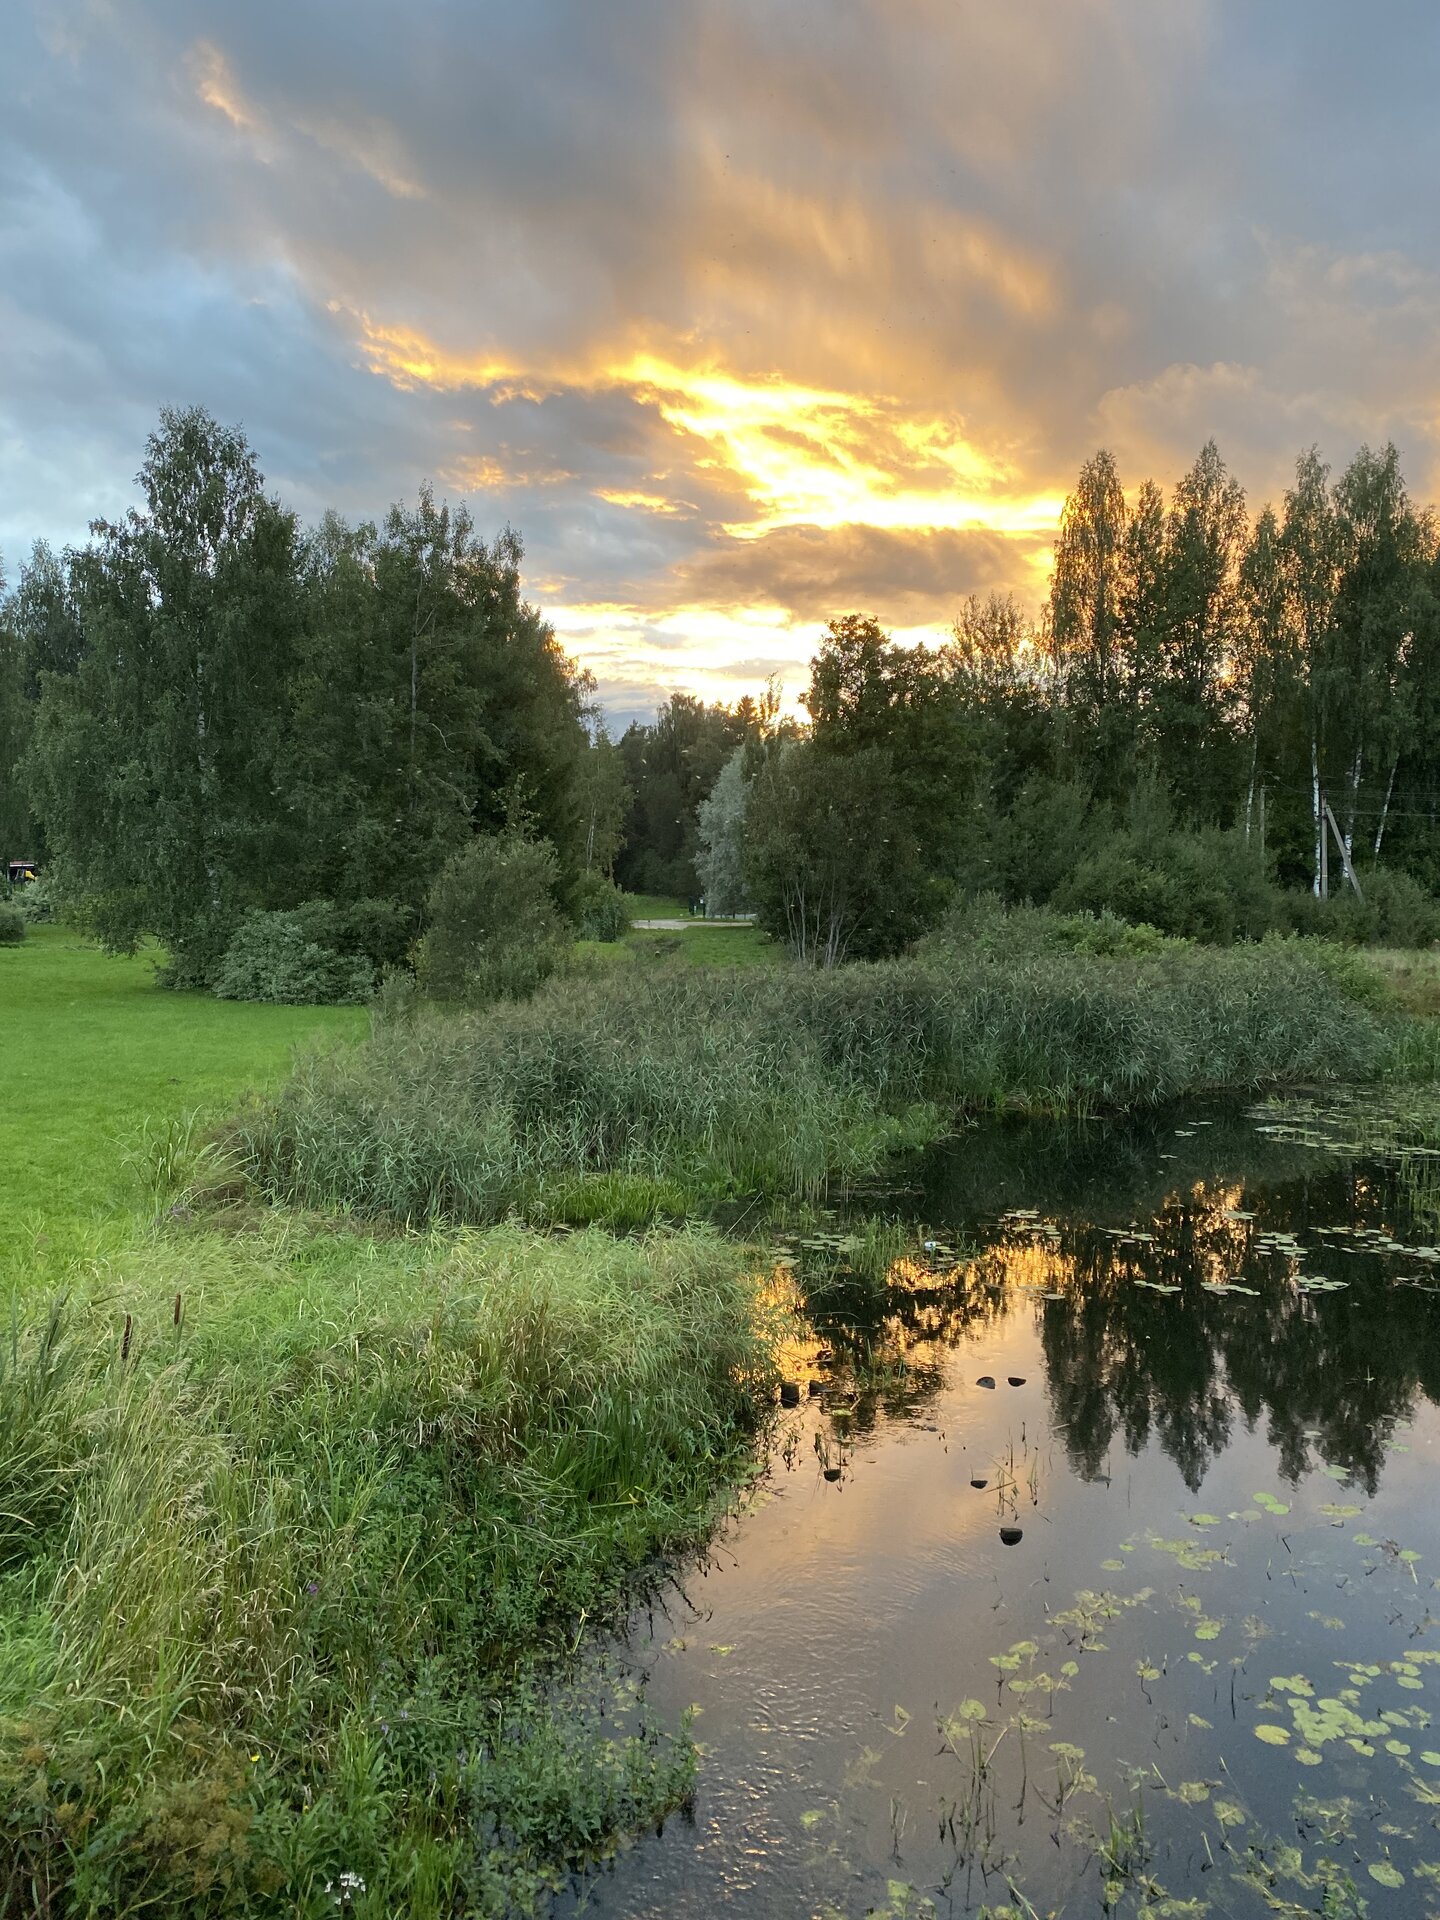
[
  {"x": 294, "y": 1518},
  {"x": 638, "y": 1091},
  {"x": 285, "y": 1524}
]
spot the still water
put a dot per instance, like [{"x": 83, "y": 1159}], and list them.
[{"x": 1145, "y": 1625}]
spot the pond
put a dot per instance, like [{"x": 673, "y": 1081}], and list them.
[{"x": 1094, "y": 1569}]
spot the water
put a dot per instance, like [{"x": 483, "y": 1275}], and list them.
[{"x": 1202, "y": 1679}]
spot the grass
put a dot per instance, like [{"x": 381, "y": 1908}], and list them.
[
  {"x": 95, "y": 1055},
  {"x": 285, "y": 1525},
  {"x": 701, "y": 943},
  {"x": 299, "y": 1524},
  {"x": 1412, "y": 975},
  {"x": 775, "y": 1080}
]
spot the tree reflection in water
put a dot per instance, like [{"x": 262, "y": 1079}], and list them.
[{"x": 1140, "y": 1228}]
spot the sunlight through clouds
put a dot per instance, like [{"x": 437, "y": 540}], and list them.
[{"x": 742, "y": 316}]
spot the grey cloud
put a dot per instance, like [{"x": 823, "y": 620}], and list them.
[
  {"x": 907, "y": 578},
  {"x": 1063, "y": 221}
]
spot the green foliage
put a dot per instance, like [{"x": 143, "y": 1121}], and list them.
[
  {"x": 779, "y": 1079},
  {"x": 1396, "y": 911},
  {"x": 671, "y": 766},
  {"x": 13, "y": 925},
  {"x": 35, "y": 902},
  {"x": 315, "y": 1525},
  {"x": 495, "y": 931},
  {"x": 1198, "y": 886},
  {"x": 599, "y": 908},
  {"x": 720, "y": 861},
  {"x": 276, "y": 957},
  {"x": 986, "y": 925}
]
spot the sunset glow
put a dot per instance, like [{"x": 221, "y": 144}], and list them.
[{"x": 740, "y": 324}]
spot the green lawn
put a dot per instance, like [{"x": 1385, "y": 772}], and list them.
[
  {"x": 95, "y": 1052},
  {"x": 701, "y": 943},
  {"x": 272, "y": 1488}
]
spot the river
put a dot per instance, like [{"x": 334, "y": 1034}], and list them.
[{"x": 1094, "y": 1569}]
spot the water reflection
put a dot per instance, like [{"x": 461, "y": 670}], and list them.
[{"x": 1189, "y": 1303}]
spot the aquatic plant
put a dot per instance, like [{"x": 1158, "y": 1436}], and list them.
[{"x": 776, "y": 1079}]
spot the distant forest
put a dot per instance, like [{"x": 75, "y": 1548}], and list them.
[{"x": 209, "y": 710}]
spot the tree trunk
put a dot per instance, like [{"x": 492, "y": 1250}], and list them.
[
  {"x": 1353, "y": 803},
  {"x": 1315, "y": 813}
]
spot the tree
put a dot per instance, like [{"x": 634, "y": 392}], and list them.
[
  {"x": 671, "y": 766},
  {"x": 1191, "y": 694},
  {"x": 429, "y": 697},
  {"x": 602, "y": 800},
  {"x": 721, "y": 858},
  {"x": 14, "y": 737},
  {"x": 1381, "y": 597},
  {"x": 156, "y": 763},
  {"x": 820, "y": 849},
  {"x": 1086, "y": 603}
]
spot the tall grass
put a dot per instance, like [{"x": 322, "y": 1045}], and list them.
[
  {"x": 283, "y": 1526},
  {"x": 778, "y": 1079}
]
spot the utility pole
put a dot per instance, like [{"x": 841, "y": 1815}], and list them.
[
  {"x": 1324, "y": 848},
  {"x": 1344, "y": 851}
]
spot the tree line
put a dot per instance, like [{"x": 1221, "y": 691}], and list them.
[
  {"x": 210, "y": 711},
  {"x": 1209, "y": 711}
]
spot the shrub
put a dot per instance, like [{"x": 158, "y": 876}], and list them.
[
  {"x": 382, "y": 930},
  {"x": 495, "y": 930},
  {"x": 35, "y": 902},
  {"x": 600, "y": 909},
  {"x": 1395, "y": 912},
  {"x": 984, "y": 924},
  {"x": 274, "y": 956},
  {"x": 12, "y": 925},
  {"x": 1198, "y": 886}
]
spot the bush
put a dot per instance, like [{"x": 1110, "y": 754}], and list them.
[
  {"x": 12, "y": 925},
  {"x": 1395, "y": 912},
  {"x": 1197, "y": 886},
  {"x": 275, "y": 957},
  {"x": 600, "y": 908},
  {"x": 984, "y": 924},
  {"x": 382, "y": 930},
  {"x": 35, "y": 902},
  {"x": 495, "y": 930}
]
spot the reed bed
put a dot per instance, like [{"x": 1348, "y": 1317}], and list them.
[
  {"x": 285, "y": 1524},
  {"x": 689, "y": 1085}
]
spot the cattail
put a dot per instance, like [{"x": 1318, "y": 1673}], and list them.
[
  {"x": 125, "y": 1340},
  {"x": 175, "y": 1316}
]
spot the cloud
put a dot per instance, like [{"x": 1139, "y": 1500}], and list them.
[{"x": 740, "y": 313}]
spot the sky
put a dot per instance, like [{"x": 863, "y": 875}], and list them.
[{"x": 743, "y": 314}]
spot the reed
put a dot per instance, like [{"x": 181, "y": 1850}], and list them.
[
  {"x": 695, "y": 1083},
  {"x": 272, "y": 1579}
]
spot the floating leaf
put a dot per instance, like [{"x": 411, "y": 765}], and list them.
[
  {"x": 1387, "y": 1874},
  {"x": 1273, "y": 1736},
  {"x": 1270, "y": 1503}
]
